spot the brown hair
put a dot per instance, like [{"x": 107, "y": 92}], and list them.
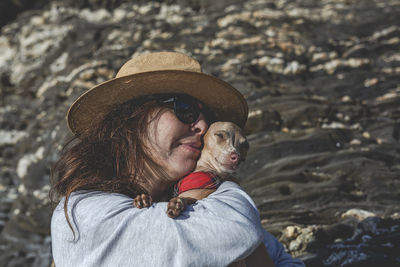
[{"x": 112, "y": 158}]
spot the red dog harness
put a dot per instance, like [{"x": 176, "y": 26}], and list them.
[{"x": 197, "y": 180}]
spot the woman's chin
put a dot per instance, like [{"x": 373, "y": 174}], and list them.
[{"x": 183, "y": 168}]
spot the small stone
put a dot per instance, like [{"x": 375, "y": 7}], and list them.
[
  {"x": 11, "y": 137},
  {"x": 366, "y": 238},
  {"x": 333, "y": 125},
  {"x": 60, "y": 63},
  {"x": 340, "y": 76},
  {"x": 294, "y": 245},
  {"x": 291, "y": 232},
  {"x": 359, "y": 214},
  {"x": 144, "y": 9},
  {"x": 366, "y": 135},
  {"x": 2, "y": 188},
  {"x": 370, "y": 82},
  {"x": 294, "y": 68},
  {"x": 37, "y": 20},
  {"x": 395, "y": 215},
  {"x": 355, "y": 142},
  {"x": 119, "y": 14},
  {"x": 86, "y": 74},
  {"x": 387, "y": 96},
  {"x": 346, "y": 99},
  {"x": 97, "y": 16},
  {"x": 24, "y": 163}
]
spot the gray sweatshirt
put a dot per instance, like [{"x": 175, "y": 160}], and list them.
[{"x": 109, "y": 231}]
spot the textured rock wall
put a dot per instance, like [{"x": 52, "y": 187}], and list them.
[{"x": 321, "y": 79}]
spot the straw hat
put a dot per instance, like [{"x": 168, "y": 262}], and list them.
[{"x": 155, "y": 73}]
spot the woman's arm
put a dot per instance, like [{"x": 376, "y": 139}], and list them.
[{"x": 216, "y": 231}]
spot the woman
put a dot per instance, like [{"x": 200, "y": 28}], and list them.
[{"x": 140, "y": 133}]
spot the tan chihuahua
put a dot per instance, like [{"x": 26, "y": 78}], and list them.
[{"x": 225, "y": 147}]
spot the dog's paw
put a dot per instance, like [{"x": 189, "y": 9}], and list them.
[
  {"x": 142, "y": 201},
  {"x": 175, "y": 206}
]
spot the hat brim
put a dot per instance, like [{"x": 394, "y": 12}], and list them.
[{"x": 90, "y": 108}]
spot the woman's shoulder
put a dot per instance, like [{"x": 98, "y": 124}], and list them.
[
  {"x": 230, "y": 191},
  {"x": 90, "y": 206},
  {"x": 95, "y": 206},
  {"x": 94, "y": 199},
  {"x": 228, "y": 185}
]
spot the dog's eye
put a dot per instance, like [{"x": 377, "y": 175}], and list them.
[{"x": 221, "y": 134}]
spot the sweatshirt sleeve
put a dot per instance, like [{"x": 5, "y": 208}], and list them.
[
  {"x": 278, "y": 254},
  {"x": 215, "y": 231}
]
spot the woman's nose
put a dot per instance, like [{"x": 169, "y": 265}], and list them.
[{"x": 200, "y": 126}]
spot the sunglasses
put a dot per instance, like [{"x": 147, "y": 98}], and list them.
[{"x": 187, "y": 109}]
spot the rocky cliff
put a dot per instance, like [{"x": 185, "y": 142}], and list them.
[{"x": 321, "y": 79}]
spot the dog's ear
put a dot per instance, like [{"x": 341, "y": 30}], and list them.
[{"x": 244, "y": 148}]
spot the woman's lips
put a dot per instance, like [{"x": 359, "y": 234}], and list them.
[{"x": 193, "y": 147}]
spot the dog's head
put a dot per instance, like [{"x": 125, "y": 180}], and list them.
[{"x": 225, "y": 147}]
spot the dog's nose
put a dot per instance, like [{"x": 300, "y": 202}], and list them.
[{"x": 235, "y": 157}]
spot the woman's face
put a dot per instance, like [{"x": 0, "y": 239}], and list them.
[{"x": 174, "y": 145}]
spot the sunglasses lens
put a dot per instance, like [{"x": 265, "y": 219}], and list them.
[{"x": 186, "y": 110}]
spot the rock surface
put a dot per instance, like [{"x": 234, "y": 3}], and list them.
[{"x": 321, "y": 79}]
